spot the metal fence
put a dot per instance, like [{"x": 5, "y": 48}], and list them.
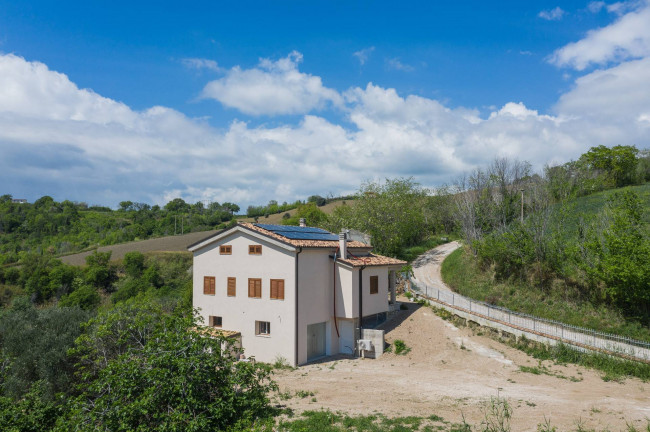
[{"x": 545, "y": 327}]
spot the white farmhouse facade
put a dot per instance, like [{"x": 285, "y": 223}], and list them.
[{"x": 291, "y": 292}]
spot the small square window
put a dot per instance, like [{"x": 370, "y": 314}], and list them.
[
  {"x": 255, "y": 250},
  {"x": 215, "y": 321},
  {"x": 262, "y": 328},
  {"x": 225, "y": 250}
]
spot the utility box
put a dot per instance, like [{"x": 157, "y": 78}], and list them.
[{"x": 372, "y": 343}]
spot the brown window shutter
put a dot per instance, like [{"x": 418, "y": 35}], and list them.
[
  {"x": 258, "y": 288},
  {"x": 274, "y": 289},
  {"x": 251, "y": 288},
  {"x": 281, "y": 289},
  {"x": 232, "y": 287},
  {"x": 208, "y": 285},
  {"x": 374, "y": 284},
  {"x": 255, "y": 288}
]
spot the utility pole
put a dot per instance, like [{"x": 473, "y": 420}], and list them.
[
  {"x": 174, "y": 224},
  {"x": 522, "y": 206}
]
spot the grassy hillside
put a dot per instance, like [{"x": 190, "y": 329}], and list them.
[
  {"x": 276, "y": 219},
  {"x": 567, "y": 295}
]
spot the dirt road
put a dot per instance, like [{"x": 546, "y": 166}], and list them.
[
  {"x": 426, "y": 268},
  {"x": 451, "y": 372}
]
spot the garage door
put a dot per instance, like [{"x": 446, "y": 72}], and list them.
[{"x": 315, "y": 341}]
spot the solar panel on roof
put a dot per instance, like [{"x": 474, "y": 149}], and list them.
[
  {"x": 309, "y": 236},
  {"x": 300, "y": 233},
  {"x": 280, "y": 229}
]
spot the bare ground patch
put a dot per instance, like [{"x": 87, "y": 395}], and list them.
[{"x": 452, "y": 371}]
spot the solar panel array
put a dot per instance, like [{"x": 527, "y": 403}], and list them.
[{"x": 300, "y": 233}]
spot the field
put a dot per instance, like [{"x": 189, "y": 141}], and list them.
[
  {"x": 276, "y": 219},
  {"x": 176, "y": 243}
]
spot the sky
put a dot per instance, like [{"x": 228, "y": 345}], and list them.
[{"x": 251, "y": 101}]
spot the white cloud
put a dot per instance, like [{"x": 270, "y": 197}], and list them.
[
  {"x": 74, "y": 144},
  {"x": 596, "y": 6},
  {"x": 363, "y": 55},
  {"x": 396, "y": 64},
  {"x": 274, "y": 87},
  {"x": 627, "y": 38},
  {"x": 554, "y": 14},
  {"x": 200, "y": 63}
]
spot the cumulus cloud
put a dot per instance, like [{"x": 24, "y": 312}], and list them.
[
  {"x": 363, "y": 55},
  {"x": 627, "y": 38},
  {"x": 272, "y": 88},
  {"x": 72, "y": 143},
  {"x": 554, "y": 14}
]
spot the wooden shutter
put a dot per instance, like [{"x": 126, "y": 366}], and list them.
[
  {"x": 277, "y": 289},
  {"x": 225, "y": 250},
  {"x": 374, "y": 284},
  {"x": 232, "y": 287},
  {"x": 255, "y": 288},
  {"x": 208, "y": 285},
  {"x": 255, "y": 249}
]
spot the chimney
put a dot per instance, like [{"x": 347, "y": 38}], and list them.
[
  {"x": 302, "y": 222},
  {"x": 343, "y": 246}
]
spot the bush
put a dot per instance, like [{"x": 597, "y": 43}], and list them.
[{"x": 400, "y": 347}]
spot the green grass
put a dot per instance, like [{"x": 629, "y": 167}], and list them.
[
  {"x": 560, "y": 302},
  {"x": 613, "y": 369}
]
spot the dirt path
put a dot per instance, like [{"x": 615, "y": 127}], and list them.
[
  {"x": 426, "y": 268},
  {"x": 451, "y": 372}
]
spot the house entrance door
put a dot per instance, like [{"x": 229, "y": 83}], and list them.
[{"x": 315, "y": 341}]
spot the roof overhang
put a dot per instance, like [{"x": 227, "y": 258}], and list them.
[{"x": 238, "y": 228}]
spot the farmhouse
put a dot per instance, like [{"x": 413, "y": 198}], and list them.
[{"x": 291, "y": 292}]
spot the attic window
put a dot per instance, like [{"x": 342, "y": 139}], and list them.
[
  {"x": 225, "y": 250},
  {"x": 255, "y": 250}
]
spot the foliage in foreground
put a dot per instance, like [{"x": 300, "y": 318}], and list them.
[{"x": 138, "y": 367}]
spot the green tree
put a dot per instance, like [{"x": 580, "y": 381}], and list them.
[
  {"x": 100, "y": 273},
  {"x": 84, "y": 296},
  {"x": 134, "y": 263},
  {"x": 617, "y": 164},
  {"x": 142, "y": 369},
  {"x": 392, "y": 213},
  {"x": 618, "y": 255}
]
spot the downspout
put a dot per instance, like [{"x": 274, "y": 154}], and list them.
[
  {"x": 296, "y": 286},
  {"x": 361, "y": 299},
  {"x": 336, "y": 326}
]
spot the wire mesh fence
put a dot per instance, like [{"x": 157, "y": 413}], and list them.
[{"x": 545, "y": 327}]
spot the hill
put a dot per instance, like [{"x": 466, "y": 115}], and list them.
[
  {"x": 276, "y": 218},
  {"x": 571, "y": 272}
]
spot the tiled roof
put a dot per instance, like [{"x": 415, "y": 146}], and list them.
[
  {"x": 214, "y": 332},
  {"x": 303, "y": 243},
  {"x": 371, "y": 260}
]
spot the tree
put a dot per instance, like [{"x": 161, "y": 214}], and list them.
[
  {"x": 392, "y": 213},
  {"x": 143, "y": 369},
  {"x": 617, "y": 164},
  {"x": 134, "y": 263},
  {"x": 618, "y": 254},
  {"x": 100, "y": 273}
]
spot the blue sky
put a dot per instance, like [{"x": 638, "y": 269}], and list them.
[{"x": 251, "y": 101}]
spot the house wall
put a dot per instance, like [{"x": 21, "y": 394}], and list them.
[
  {"x": 375, "y": 303},
  {"x": 239, "y": 313},
  {"x": 315, "y": 285}
]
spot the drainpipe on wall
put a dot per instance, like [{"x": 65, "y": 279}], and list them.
[
  {"x": 360, "y": 301},
  {"x": 296, "y": 286}
]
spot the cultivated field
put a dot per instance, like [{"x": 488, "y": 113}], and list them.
[
  {"x": 176, "y": 243},
  {"x": 276, "y": 219}
]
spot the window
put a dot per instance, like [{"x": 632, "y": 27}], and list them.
[
  {"x": 374, "y": 284},
  {"x": 208, "y": 285},
  {"x": 255, "y": 250},
  {"x": 225, "y": 250},
  {"x": 215, "y": 321},
  {"x": 232, "y": 287},
  {"x": 262, "y": 328},
  {"x": 255, "y": 288},
  {"x": 277, "y": 289}
]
